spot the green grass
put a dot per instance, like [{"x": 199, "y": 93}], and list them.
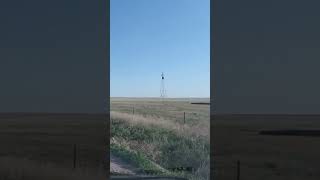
[{"x": 159, "y": 137}]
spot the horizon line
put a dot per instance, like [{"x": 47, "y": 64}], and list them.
[{"x": 153, "y": 97}]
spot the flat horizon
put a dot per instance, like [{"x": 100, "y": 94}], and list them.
[
  {"x": 160, "y": 97},
  {"x": 219, "y": 115}
]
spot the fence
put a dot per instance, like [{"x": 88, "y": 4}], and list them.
[
  {"x": 77, "y": 162},
  {"x": 183, "y": 119}
]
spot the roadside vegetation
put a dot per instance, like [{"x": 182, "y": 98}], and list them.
[{"x": 156, "y": 143}]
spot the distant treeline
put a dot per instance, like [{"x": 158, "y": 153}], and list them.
[
  {"x": 201, "y": 103},
  {"x": 265, "y": 116},
  {"x": 291, "y": 132}
]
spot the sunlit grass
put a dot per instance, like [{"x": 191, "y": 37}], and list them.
[{"x": 165, "y": 141}]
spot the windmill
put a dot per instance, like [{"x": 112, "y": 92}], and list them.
[{"x": 162, "y": 88}]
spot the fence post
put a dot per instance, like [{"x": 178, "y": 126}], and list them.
[
  {"x": 74, "y": 156},
  {"x": 184, "y": 117},
  {"x": 238, "y": 170}
]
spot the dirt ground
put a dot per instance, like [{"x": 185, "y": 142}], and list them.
[{"x": 118, "y": 166}]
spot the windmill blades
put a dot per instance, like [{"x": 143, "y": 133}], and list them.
[{"x": 162, "y": 87}]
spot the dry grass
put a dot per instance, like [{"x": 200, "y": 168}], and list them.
[
  {"x": 152, "y": 121},
  {"x": 12, "y": 168},
  {"x": 158, "y": 130},
  {"x": 265, "y": 157},
  {"x": 41, "y": 145}
]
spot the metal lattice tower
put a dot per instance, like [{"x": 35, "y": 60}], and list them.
[{"x": 162, "y": 88}]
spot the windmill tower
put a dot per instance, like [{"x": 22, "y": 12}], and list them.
[{"x": 162, "y": 88}]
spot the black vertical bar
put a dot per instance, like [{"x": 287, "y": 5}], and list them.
[
  {"x": 74, "y": 155},
  {"x": 238, "y": 170},
  {"x": 184, "y": 117}
]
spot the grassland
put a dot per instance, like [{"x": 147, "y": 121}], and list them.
[
  {"x": 40, "y": 146},
  {"x": 265, "y": 157},
  {"x": 155, "y": 137}
]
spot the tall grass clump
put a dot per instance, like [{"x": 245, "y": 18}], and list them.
[{"x": 163, "y": 142}]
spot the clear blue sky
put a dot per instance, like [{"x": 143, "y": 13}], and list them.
[{"x": 153, "y": 36}]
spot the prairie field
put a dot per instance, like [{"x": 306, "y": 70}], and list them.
[
  {"x": 265, "y": 157},
  {"x": 159, "y": 136},
  {"x": 41, "y": 146}
]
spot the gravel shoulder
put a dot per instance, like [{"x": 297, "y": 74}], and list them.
[{"x": 118, "y": 166}]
